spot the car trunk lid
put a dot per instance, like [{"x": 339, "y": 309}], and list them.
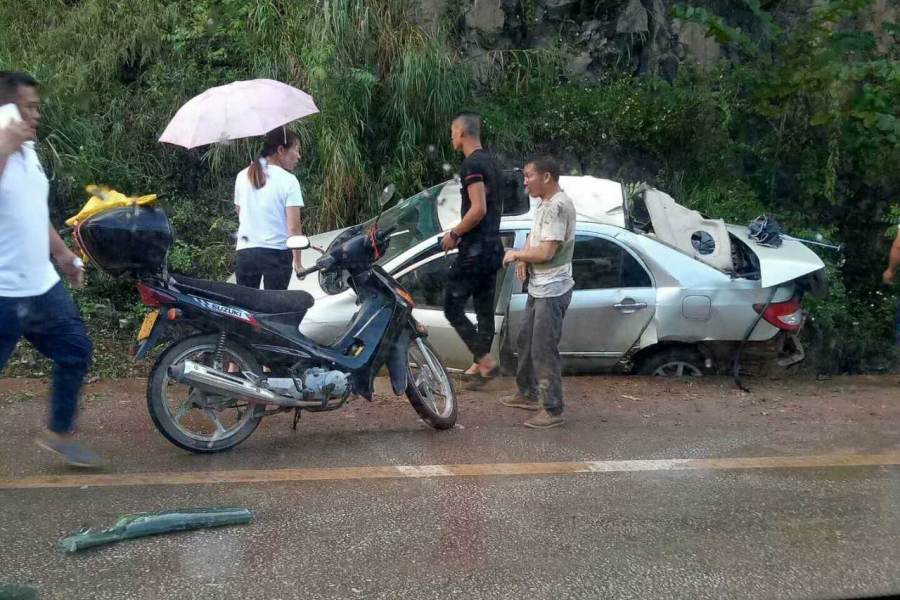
[{"x": 791, "y": 261}]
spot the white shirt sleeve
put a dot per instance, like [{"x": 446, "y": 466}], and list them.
[
  {"x": 239, "y": 190},
  {"x": 294, "y": 196}
]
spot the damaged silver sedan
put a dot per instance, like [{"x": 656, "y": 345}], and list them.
[{"x": 659, "y": 288}]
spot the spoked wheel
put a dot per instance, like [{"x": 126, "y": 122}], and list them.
[
  {"x": 675, "y": 363},
  {"x": 677, "y": 369},
  {"x": 191, "y": 418},
  {"x": 429, "y": 388}
]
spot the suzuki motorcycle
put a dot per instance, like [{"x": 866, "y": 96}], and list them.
[{"x": 245, "y": 358}]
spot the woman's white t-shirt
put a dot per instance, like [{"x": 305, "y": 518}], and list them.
[{"x": 263, "y": 216}]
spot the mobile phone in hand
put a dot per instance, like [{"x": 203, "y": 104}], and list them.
[{"x": 9, "y": 113}]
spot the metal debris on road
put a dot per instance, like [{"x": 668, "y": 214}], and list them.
[{"x": 152, "y": 523}]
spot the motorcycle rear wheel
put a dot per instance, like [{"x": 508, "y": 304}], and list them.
[
  {"x": 201, "y": 423},
  {"x": 429, "y": 387}
]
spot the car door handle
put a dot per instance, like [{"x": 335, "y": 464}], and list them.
[{"x": 632, "y": 306}]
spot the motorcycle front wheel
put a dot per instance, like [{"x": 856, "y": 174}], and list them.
[
  {"x": 429, "y": 387},
  {"x": 192, "y": 419}
]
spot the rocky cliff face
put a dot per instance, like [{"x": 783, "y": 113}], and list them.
[
  {"x": 601, "y": 33},
  {"x": 639, "y": 34}
]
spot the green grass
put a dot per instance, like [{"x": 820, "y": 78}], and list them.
[{"x": 18, "y": 397}]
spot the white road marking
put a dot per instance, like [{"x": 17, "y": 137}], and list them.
[{"x": 426, "y": 471}]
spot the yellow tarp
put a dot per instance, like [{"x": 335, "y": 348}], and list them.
[{"x": 104, "y": 199}]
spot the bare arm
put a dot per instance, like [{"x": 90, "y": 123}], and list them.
[
  {"x": 890, "y": 275},
  {"x": 533, "y": 254},
  {"x": 476, "y": 212},
  {"x": 295, "y": 227},
  {"x": 65, "y": 259},
  {"x": 471, "y": 219},
  {"x": 58, "y": 247},
  {"x": 237, "y": 209}
]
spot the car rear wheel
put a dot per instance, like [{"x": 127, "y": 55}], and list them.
[{"x": 674, "y": 362}]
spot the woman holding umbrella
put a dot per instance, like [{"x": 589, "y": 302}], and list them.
[
  {"x": 267, "y": 196},
  {"x": 268, "y": 199}
]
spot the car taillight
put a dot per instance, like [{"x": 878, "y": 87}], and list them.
[
  {"x": 152, "y": 297},
  {"x": 783, "y": 315}
]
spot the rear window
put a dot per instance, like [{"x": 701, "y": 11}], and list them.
[{"x": 599, "y": 263}]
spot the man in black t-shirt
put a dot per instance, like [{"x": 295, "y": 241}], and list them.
[{"x": 474, "y": 273}]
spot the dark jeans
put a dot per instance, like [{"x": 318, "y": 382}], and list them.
[
  {"x": 474, "y": 278},
  {"x": 52, "y": 324},
  {"x": 897, "y": 324},
  {"x": 539, "y": 375},
  {"x": 255, "y": 264}
]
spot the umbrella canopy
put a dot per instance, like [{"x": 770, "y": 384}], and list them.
[{"x": 237, "y": 110}]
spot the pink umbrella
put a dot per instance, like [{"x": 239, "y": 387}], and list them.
[{"x": 237, "y": 110}]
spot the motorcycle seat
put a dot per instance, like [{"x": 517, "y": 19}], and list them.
[{"x": 254, "y": 300}]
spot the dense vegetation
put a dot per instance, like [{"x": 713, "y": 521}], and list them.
[{"x": 800, "y": 123}]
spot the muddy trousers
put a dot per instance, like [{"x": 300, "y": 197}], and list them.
[
  {"x": 539, "y": 374},
  {"x": 53, "y": 326}
]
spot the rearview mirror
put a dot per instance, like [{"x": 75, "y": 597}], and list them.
[
  {"x": 388, "y": 194},
  {"x": 298, "y": 242}
]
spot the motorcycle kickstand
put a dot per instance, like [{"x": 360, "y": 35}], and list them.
[{"x": 296, "y": 419}]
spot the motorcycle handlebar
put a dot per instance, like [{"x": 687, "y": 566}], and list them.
[
  {"x": 302, "y": 274},
  {"x": 323, "y": 264},
  {"x": 327, "y": 262},
  {"x": 384, "y": 235}
]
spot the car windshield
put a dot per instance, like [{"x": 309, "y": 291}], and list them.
[{"x": 416, "y": 219}]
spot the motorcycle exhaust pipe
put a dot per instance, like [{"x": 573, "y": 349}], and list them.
[{"x": 213, "y": 381}]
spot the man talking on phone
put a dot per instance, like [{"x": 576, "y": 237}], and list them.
[{"x": 34, "y": 304}]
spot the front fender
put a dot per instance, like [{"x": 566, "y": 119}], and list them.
[{"x": 398, "y": 363}]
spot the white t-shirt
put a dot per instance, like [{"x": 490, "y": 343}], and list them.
[
  {"x": 554, "y": 221},
  {"x": 25, "y": 267},
  {"x": 263, "y": 217}
]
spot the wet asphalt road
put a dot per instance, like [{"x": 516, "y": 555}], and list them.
[{"x": 704, "y": 533}]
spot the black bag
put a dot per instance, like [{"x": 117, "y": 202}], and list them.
[
  {"x": 127, "y": 241},
  {"x": 766, "y": 232}
]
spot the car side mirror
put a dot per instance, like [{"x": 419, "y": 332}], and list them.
[{"x": 298, "y": 242}]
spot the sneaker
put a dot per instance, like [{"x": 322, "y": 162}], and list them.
[
  {"x": 74, "y": 453},
  {"x": 545, "y": 420},
  {"x": 518, "y": 401}
]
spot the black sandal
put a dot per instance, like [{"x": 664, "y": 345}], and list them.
[{"x": 478, "y": 381}]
